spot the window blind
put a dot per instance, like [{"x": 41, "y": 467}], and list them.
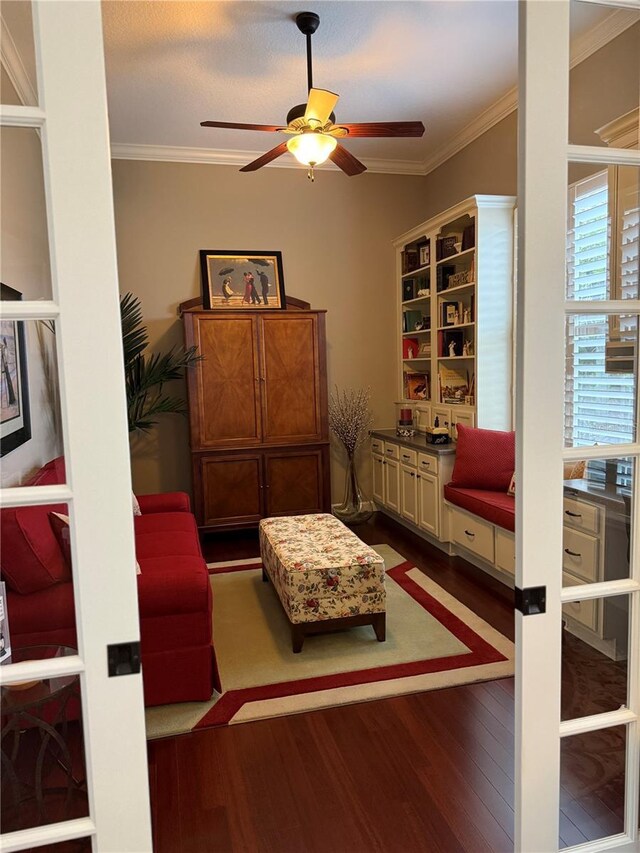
[{"x": 599, "y": 401}]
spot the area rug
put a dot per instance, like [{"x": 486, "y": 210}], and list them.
[{"x": 433, "y": 641}]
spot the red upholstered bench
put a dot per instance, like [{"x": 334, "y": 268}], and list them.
[{"x": 482, "y": 513}]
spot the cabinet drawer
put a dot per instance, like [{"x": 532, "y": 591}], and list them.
[
  {"x": 580, "y": 554},
  {"x": 428, "y": 463},
  {"x": 582, "y": 515},
  {"x": 584, "y": 612},
  {"x": 473, "y": 533},
  {"x": 377, "y": 446},
  {"x": 392, "y": 451},
  {"x": 505, "y": 551},
  {"x": 408, "y": 457}
]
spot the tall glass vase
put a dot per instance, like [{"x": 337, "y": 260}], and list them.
[{"x": 355, "y": 508}]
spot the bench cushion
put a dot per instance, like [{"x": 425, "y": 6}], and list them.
[
  {"x": 496, "y": 507},
  {"x": 320, "y": 569}
]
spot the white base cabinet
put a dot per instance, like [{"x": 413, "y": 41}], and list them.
[{"x": 408, "y": 483}]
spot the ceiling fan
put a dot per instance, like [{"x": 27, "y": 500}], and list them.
[{"x": 312, "y": 126}]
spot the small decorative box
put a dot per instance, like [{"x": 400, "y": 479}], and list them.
[
  {"x": 437, "y": 435},
  {"x": 405, "y": 432}
]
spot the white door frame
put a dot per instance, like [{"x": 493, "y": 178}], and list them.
[
  {"x": 72, "y": 118},
  {"x": 544, "y": 155}
]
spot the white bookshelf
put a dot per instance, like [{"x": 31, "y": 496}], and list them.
[{"x": 486, "y": 260}]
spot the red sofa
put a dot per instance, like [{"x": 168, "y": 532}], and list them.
[{"x": 174, "y": 593}]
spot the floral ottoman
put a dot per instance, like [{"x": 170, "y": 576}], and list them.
[{"x": 326, "y": 578}]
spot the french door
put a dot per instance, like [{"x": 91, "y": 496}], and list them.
[
  {"x": 70, "y": 119},
  {"x": 578, "y": 587}
]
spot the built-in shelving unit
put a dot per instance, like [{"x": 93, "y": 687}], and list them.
[{"x": 455, "y": 284}]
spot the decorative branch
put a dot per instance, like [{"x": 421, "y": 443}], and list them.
[{"x": 350, "y": 417}]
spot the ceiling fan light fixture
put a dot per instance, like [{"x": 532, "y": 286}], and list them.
[{"x": 311, "y": 148}]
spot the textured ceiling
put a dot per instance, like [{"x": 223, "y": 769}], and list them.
[{"x": 171, "y": 65}]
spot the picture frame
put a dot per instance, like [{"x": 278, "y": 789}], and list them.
[
  {"x": 240, "y": 280},
  {"x": 15, "y": 412},
  {"x": 424, "y": 255},
  {"x": 416, "y": 386},
  {"x": 408, "y": 290}
]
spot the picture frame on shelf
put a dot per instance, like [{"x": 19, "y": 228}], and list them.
[
  {"x": 15, "y": 411},
  {"x": 424, "y": 255},
  {"x": 424, "y": 350},
  {"x": 237, "y": 280},
  {"x": 449, "y": 312},
  {"x": 416, "y": 386}
]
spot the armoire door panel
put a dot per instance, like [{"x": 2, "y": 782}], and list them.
[
  {"x": 228, "y": 406},
  {"x": 293, "y": 482},
  {"x": 291, "y": 390},
  {"x": 231, "y": 489}
]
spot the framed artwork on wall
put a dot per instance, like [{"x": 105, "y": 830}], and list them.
[
  {"x": 240, "y": 279},
  {"x": 15, "y": 418}
]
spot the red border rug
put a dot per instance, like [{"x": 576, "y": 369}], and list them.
[{"x": 489, "y": 656}]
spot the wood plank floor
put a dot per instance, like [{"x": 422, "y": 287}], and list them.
[{"x": 427, "y": 772}]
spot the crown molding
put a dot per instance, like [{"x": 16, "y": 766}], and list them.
[
  {"x": 622, "y": 132},
  {"x": 13, "y": 65},
  {"x": 227, "y": 157}
]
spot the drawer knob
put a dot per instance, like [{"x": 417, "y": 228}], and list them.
[
  {"x": 470, "y": 534},
  {"x": 573, "y": 514},
  {"x": 412, "y": 474},
  {"x": 572, "y": 553},
  {"x": 405, "y": 456},
  {"x": 418, "y": 477}
]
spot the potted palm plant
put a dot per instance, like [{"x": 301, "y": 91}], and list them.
[{"x": 146, "y": 375}]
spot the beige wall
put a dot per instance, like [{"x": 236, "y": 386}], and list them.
[
  {"x": 24, "y": 252},
  {"x": 335, "y": 236}
]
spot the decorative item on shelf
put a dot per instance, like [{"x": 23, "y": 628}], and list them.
[
  {"x": 450, "y": 343},
  {"x": 408, "y": 289},
  {"x": 405, "y": 428},
  {"x": 350, "y": 419},
  {"x": 236, "y": 279},
  {"x": 466, "y": 316},
  {"x": 452, "y": 349},
  {"x": 424, "y": 255},
  {"x": 416, "y": 386},
  {"x": 424, "y": 291},
  {"x": 425, "y": 350},
  {"x": 446, "y": 245},
  {"x": 460, "y": 278},
  {"x": 454, "y": 384},
  {"x": 469, "y": 401},
  {"x": 437, "y": 435},
  {"x": 467, "y": 348},
  {"x": 410, "y": 347}
]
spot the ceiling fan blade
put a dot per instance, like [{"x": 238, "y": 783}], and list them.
[
  {"x": 384, "y": 128},
  {"x": 265, "y": 158},
  {"x": 320, "y": 105},
  {"x": 345, "y": 160},
  {"x": 270, "y": 128}
]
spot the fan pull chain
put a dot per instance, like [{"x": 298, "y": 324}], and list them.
[{"x": 310, "y": 174}]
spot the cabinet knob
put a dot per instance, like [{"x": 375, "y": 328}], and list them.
[
  {"x": 418, "y": 477},
  {"x": 572, "y": 553}
]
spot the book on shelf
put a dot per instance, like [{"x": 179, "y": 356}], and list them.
[
  {"x": 416, "y": 386},
  {"x": 410, "y": 260},
  {"x": 454, "y": 384}
]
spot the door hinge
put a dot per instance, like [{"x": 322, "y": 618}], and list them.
[
  {"x": 532, "y": 600},
  {"x": 123, "y": 658}
]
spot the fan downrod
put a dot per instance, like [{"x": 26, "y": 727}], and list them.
[{"x": 307, "y": 23}]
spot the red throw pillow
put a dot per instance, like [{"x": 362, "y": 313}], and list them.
[{"x": 485, "y": 459}]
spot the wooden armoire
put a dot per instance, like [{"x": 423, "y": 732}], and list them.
[{"x": 258, "y": 415}]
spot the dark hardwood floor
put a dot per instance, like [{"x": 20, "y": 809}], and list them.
[{"x": 426, "y": 772}]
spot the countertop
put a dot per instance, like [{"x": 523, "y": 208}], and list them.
[{"x": 417, "y": 442}]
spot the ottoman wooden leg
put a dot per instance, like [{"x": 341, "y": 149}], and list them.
[
  {"x": 380, "y": 626},
  {"x": 297, "y": 638},
  {"x": 265, "y": 576}
]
